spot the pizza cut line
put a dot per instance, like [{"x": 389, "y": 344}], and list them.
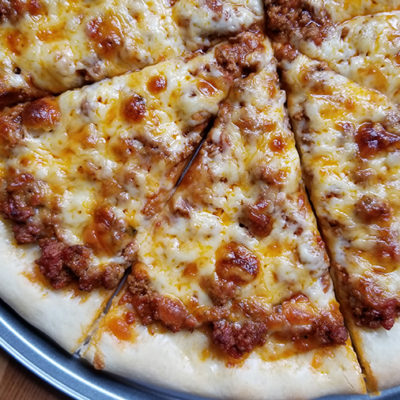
[{"x": 227, "y": 183}]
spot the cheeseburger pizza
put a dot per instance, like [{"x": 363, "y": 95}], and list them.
[
  {"x": 83, "y": 172},
  {"x": 204, "y": 194},
  {"x": 233, "y": 276}
]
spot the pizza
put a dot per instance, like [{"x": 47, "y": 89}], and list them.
[
  {"x": 51, "y": 46},
  {"x": 83, "y": 171},
  {"x": 349, "y": 137},
  {"x": 203, "y": 195},
  {"x": 240, "y": 238}
]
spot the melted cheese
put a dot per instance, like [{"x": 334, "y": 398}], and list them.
[
  {"x": 320, "y": 104},
  {"x": 68, "y": 43},
  {"x": 202, "y": 20},
  {"x": 86, "y": 156},
  {"x": 249, "y": 145},
  {"x": 341, "y": 10},
  {"x": 218, "y": 186},
  {"x": 365, "y": 49},
  {"x": 53, "y": 48}
]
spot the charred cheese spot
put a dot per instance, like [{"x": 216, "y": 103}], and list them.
[
  {"x": 106, "y": 233},
  {"x": 257, "y": 219},
  {"x": 270, "y": 175},
  {"x": 16, "y": 42},
  {"x": 190, "y": 270},
  {"x": 206, "y": 88},
  {"x": 372, "y": 209},
  {"x": 362, "y": 176},
  {"x": 35, "y": 7},
  {"x": 134, "y": 109},
  {"x": 236, "y": 263},
  {"x": 43, "y": 114},
  {"x": 52, "y": 34},
  {"x": 106, "y": 34},
  {"x": 277, "y": 144},
  {"x": 387, "y": 247},
  {"x": 157, "y": 84},
  {"x": 13, "y": 10},
  {"x": 251, "y": 127},
  {"x": 372, "y": 138}
]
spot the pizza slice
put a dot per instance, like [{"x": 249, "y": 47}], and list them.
[
  {"x": 230, "y": 296},
  {"x": 51, "y": 46},
  {"x": 312, "y": 20},
  {"x": 349, "y": 139},
  {"x": 365, "y": 49},
  {"x": 83, "y": 172}
]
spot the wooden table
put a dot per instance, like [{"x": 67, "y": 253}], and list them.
[{"x": 17, "y": 383}]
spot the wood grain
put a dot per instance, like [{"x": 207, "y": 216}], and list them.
[{"x": 17, "y": 383}]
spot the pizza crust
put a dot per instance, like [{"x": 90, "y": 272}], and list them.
[
  {"x": 176, "y": 361},
  {"x": 379, "y": 351},
  {"x": 63, "y": 315}
]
